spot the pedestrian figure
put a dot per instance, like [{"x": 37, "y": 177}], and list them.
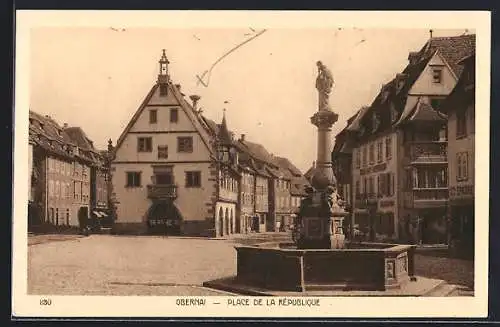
[{"x": 83, "y": 222}]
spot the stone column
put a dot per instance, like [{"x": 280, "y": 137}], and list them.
[
  {"x": 320, "y": 212},
  {"x": 324, "y": 120}
]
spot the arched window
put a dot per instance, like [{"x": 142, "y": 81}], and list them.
[{"x": 227, "y": 221}]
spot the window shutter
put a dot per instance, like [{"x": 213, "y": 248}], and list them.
[{"x": 393, "y": 184}]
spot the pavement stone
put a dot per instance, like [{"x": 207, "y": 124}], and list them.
[{"x": 157, "y": 265}]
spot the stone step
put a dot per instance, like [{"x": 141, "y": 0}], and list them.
[{"x": 442, "y": 290}]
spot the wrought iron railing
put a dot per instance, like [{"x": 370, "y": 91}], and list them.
[
  {"x": 428, "y": 151},
  {"x": 162, "y": 191}
]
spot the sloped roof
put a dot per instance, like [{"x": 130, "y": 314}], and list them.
[
  {"x": 48, "y": 127},
  {"x": 424, "y": 112},
  {"x": 460, "y": 96},
  {"x": 287, "y": 164},
  {"x": 46, "y": 133},
  {"x": 78, "y": 136},
  {"x": 258, "y": 152},
  {"x": 453, "y": 49},
  {"x": 356, "y": 119}
]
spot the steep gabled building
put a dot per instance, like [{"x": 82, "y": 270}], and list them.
[
  {"x": 399, "y": 158},
  {"x": 173, "y": 170},
  {"x": 260, "y": 161}
]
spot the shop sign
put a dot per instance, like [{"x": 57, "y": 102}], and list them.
[{"x": 373, "y": 169}]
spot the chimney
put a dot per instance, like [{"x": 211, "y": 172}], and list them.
[
  {"x": 65, "y": 125},
  {"x": 314, "y": 164},
  {"x": 412, "y": 57},
  {"x": 47, "y": 116},
  {"x": 430, "y": 34},
  {"x": 242, "y": 138},
  {"x": 400, "y": 80},
  {"x": 195, "y": 98}
]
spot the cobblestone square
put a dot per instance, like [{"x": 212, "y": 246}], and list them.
[{"x": 148, "y": 265}]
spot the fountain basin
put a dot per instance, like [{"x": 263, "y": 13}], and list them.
[{"x": 367, "y": 267}]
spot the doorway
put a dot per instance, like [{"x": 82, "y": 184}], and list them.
[{"x": 164, "y": 219}]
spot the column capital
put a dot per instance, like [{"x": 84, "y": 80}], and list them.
[{"x": 324, "y": 119}]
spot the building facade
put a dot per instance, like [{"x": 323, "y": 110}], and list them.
[
  {"x": 61, "y": 183},
  {"x": 399, "y": 159},
  {"x": 164, "y": 170},
  {"x": 460, "y": 107}
]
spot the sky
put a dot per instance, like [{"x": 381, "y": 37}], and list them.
[{"x": 96, "y": 77}]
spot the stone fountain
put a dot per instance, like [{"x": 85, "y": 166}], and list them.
[{"x": 322, "y": 262}]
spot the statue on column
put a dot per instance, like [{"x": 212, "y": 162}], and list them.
[{"x": 324, "y": 84}]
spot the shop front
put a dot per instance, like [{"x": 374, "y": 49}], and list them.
[{"x": 462, "y": 227}]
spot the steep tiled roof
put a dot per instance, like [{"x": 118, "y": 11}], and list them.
[
  {"x": 78, "y": 136},
  {"x": 258, "y": 152},
  {"x": 287, "y": 164},
  {"x": 453, "y": 49},
  {"x": 425, "y": 112},
  {"x": 464, "y": 91},
  {"x": 356, "y": 119},
  {"x": 46, "y": 133},
  {"x": 48, "y": 127}
]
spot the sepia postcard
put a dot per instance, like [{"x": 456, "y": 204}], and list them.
[{"x": 251, "y": 164}]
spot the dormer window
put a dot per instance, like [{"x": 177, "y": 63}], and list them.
[
  {"x": 400, "y": 81},
  {"x": 376, "y": 122},
  {"x": 394, "y": 114},
  {"x": 437, "y": 75}
]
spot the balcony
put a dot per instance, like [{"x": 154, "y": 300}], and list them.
[
  {"x": 428, "y": 152},
  {"x": 363, "y": 201},
  {"x": 162, "y": 191},
  {"x": 429, "y": 197}
]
